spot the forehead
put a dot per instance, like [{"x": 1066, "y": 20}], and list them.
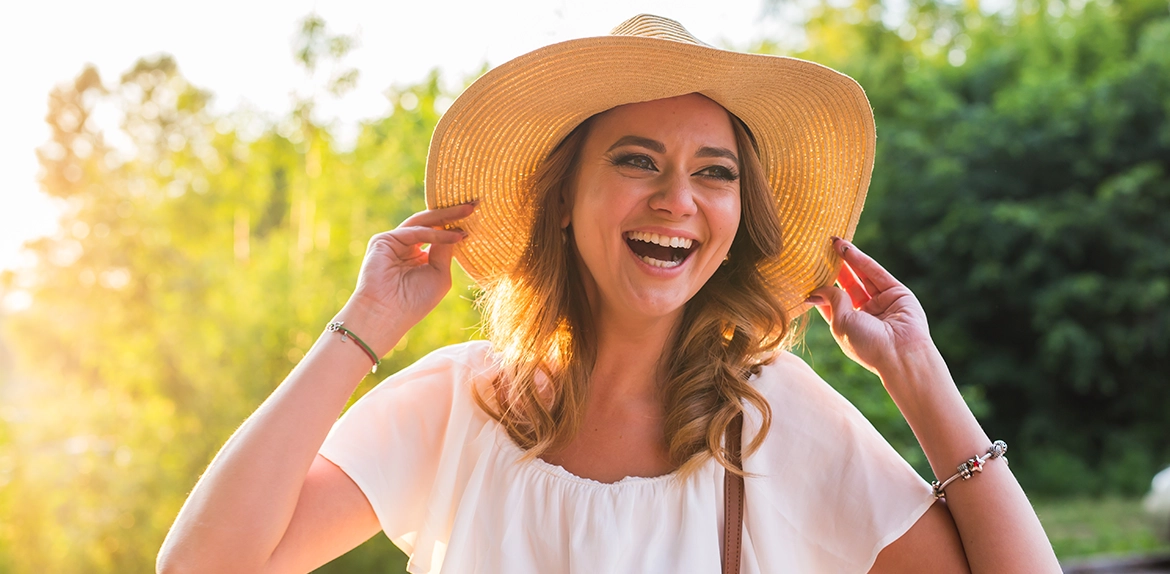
[{"x": 692, "y": 116}]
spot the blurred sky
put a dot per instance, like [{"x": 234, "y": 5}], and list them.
[{"x": 241, "y": 51}]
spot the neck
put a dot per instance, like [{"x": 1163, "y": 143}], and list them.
[{"x": 630, "y": 356}]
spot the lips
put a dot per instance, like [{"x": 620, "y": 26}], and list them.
[{"x": 663, "y": 251}]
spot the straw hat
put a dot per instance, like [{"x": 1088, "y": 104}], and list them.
[{"x": 813, "y": 126}]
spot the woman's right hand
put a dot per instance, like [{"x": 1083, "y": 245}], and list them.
[{"x": 400, "y": 281}]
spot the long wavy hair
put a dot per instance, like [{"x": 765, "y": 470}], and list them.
[{"x": 538, "y": 320}]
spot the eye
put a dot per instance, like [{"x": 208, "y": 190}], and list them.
[
  {"x": 719, "y": 172},
  {"x": 635, "y": 160}
]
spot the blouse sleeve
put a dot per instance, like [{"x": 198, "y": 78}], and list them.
[
  {"x": 828, "y": 492},
  {"x": 402, "y": 440}
]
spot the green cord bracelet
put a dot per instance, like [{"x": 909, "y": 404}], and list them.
[{"x": 338, "y": 326}]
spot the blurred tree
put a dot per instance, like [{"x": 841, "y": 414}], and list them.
[
  {"x": 1022, "y": 189},
  {"x": 315, "y": 44},
  {"x": 188, "y": 277}
]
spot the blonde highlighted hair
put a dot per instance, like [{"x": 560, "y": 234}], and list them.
[{"x": 537, "y": 318}]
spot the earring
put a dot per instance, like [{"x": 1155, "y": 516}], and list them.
[
  {"x": 564, "y": 235},
  {"x": 726, "y": 258}
]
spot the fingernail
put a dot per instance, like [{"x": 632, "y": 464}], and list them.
[
  {"x": 835, "y": 238},
  {"x": 815, "y": 300}
]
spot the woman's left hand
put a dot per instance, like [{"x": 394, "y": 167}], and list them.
[{"x": 874, "y": 317}]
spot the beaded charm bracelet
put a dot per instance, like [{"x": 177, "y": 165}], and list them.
[
  {"x": 338, "y": 326},
  {"x": 969, "y": 468}
]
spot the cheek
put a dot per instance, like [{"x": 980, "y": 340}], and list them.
[
  {"x": 582, "y": 205},
  {"x": 588, "y": 217},
  {"x": 601, "y": 202},
  {"x": 724, "y": 218}
]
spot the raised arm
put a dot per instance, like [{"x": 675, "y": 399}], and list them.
[
  {"x": 267, "y": 502},
  {"x": 880, "y": 324}
]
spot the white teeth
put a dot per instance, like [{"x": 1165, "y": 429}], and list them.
[
  {"x": 660, "y": 263},
  {"x": 663, "y": 240}
]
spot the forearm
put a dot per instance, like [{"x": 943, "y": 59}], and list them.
[
  {"x": 241, "y": 506},
  {"x": 999, "y": 530}
]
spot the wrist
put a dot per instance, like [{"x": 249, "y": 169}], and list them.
[
  {"x": 919, "y": 381},
  {"x": 345, "y": 335},
  {"x": 921, "y": 386},
  {"x": 376, "y": 327},
  {"x": 913, "y": 364}
]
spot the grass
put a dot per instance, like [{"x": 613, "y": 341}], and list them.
[{"x": 1085, "y": 527}]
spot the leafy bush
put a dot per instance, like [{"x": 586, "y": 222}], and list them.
[{"x": 1024, "y": 196}]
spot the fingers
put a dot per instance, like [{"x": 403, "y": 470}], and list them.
[
  {"x": 439, "y": 255},
  {"x": 417, "y": 235},
  {"x": 861, "y": 279},
  {"x": 439, "y": 217},
  {"x": 428, "y": 227},
  {"x": 871, "y": 275},
  {"x": 830, "y": 302},
  {"x": 852, "y": 286},
  {"x": 410, "y": 238},
  {"x": 866, "y": 282}
]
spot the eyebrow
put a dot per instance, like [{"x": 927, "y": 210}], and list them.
[
  {"x": 707, "y": 151},
  {"x": 652, "y": 145},
  {"x": 657, "y": 146}
]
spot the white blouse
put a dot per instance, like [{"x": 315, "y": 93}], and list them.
[{"x": 449, "y": 487}]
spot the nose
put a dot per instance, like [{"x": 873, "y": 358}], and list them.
[{"x": 674, "y": 197}]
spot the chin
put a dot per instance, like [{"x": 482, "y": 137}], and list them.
[{"x": 660, "y": 305}]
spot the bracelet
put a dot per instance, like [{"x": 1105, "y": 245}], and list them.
[
  {"x": 969, "y": 468},
  {"x": 338, "y": 326}
]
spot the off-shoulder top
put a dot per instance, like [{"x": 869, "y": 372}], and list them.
[{"x": 450, "y": 487}]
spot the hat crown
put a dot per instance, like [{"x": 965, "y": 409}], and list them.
[{"x": 651, "y": 26}]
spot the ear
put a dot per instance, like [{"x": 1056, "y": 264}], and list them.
[{"x": 565, "y": 203}]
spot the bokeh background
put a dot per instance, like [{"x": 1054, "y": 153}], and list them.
[{"x": 197, "y": 248}]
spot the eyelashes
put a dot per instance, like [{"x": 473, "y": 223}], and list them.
[
  {"x": 721, "y": 173},
  {"x": 636, "y": 160},
  {"x": 646, "y": 163}
]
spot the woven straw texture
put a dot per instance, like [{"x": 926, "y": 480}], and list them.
[{"x": 813, "y": 125}]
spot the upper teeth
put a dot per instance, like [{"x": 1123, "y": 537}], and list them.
[{"x": 663, "y": 240}]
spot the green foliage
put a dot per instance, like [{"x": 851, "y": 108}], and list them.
[
  {"x": 377, "y": 554},
  {"x": 1022, "y": 189},
  {"x": 185, "y": 283}
]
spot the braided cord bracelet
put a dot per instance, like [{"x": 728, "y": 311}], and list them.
[
  {"x": 338, "y": 326},
  {"x": 970, "y": 467}
]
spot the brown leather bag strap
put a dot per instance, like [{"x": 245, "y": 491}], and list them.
[{"x": 733, "y": 500}]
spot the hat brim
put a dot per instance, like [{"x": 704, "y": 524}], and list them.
[{"x": 813, "y": 126}]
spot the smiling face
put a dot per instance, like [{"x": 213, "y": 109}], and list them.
[{"x": 655, "y": 204}]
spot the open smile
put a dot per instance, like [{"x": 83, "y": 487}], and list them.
[{"x": 662, "y": 251}]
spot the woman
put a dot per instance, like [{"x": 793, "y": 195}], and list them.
[{"x": 645, "y": 213}]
